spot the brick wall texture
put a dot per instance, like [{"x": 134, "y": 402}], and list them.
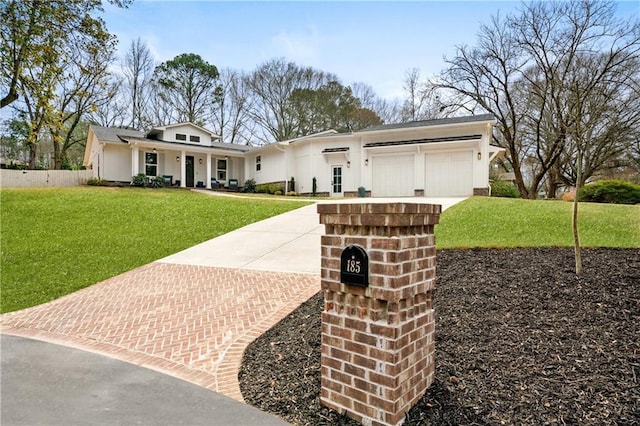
[{"x": 378, "y": 341}]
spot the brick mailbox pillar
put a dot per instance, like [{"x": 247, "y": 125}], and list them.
[{"x": 378, "y": 326}]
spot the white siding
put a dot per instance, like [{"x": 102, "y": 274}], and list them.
[
  {"x": 170, "y": 135},
  {"x": 272, "y": 166},
  {"x": 116, "y": 163}
]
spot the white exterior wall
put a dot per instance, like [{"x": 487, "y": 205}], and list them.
[
  {"x": 481, "y": 167},
  {"x": 273, "y": 167},
  {"x": 115, "y": 163},
  {"x": 170, "y": 135},
  {"x": 308, "y": 162}
]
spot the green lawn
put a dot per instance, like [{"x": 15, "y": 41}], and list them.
[
  {"x": 503, "y": 222},
  {"x": 56, "y": 241}
]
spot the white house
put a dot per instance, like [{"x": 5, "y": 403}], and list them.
[
  {"x": 186, "y": 154},
  {"x": 445, "y": 157}
]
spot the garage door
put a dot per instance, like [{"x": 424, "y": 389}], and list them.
[
  {"x": 449, "y": 174},
  {"x": 393, "y": 175}
]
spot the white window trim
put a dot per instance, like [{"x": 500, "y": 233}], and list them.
[{"x": 225, "y": 170}]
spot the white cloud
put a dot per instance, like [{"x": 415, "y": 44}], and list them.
[{"x": 297, "y": 47}]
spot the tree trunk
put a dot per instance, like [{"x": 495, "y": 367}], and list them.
[
  {"x": 33, "y": 153},
  {"x": 57, "y": 154}
]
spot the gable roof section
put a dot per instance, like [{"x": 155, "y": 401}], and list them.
[
  {"x": 114, "y": 134},
  {"x": 155, "y": 130},
  {"x": 214, "y": 145}
]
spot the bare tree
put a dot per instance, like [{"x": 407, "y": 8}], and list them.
[
  {"x": 487, "y": 78},
  {"x": 389, "y": 111},
  {"x": 272, "y": 85},
  {"x": 113, "y": 111},
  {"x": 138, "y": 69},
  {"x": 231, "y": 108}
]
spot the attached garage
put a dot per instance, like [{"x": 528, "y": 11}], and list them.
[
  {"x": 393, "y": 175},
  {"x": 449, "y": 174}
]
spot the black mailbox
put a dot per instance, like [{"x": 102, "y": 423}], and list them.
[{"x": 354, "y": 266}]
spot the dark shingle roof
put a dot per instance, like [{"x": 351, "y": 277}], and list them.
[
  {"x": 112, "y": 134},
  {"x": 421, "y": 141},
  {"x": 216, "y": 145},
  {"x": 436, "y": 122}
]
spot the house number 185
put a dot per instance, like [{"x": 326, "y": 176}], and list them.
[{"x": 353, "y": 266}]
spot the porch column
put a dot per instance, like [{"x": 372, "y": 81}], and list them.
[
  {"x": 183, "y": 170},
  {"x": 135, "y": 160},
  {"x": 208, "y": 170}
]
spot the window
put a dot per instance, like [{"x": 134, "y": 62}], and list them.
[
  {"x": 151, "y": 164},
  {"x": 222, "y": 169},
  {"x": 193, "y": 138},
  {"x": 337, "y": 179},
  {"x": 181, "y": 137},
  {"x": 258, "y": 163}
]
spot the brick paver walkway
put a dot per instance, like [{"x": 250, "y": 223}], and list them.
[{"x": 191, "y": 322}]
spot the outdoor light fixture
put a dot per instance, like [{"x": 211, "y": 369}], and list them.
[
  {"x": 479, "y": 156},
  {"x": 200, "y": 161},
  {"x": 348, "y": 164},
  {"x": 366, "y": 161},
  {"x": 178, "y": 158}
]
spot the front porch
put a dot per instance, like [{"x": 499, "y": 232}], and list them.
[{"x": 189, "y": 168}]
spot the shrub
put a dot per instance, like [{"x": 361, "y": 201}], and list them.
[
  {"x": 143, "y": 180},
  {"x": 505, "y": 189},
  {"x": 94, "y": 181},
  {"x": 277, "y": 193},
  {"x": 249, "y": 186},
  {"x": 139, "y": 180},
  {"x": 314, "y": 187},
  {"x": 292, "y": 184},
  {"x": 270, "y": 188},
  {"x": 293, "y": 193},
  {"x": 610, "y": 191},
  {"x": 156, "y": 182}
]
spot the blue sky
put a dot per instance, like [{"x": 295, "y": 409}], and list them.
[{"x": 370, "y": 42}]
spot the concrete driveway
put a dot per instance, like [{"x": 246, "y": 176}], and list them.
[{"x": 289, "y": 242}]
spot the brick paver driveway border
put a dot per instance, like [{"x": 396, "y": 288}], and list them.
[{"x": 192, "y": 322}]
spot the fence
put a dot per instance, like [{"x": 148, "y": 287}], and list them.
[{"x": 43, "y": 178}]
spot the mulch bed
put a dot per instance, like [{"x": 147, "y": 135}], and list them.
[{"x": 519, "y": 340}]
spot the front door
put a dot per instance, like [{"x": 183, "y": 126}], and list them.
[
  {"x": 190, "y": 172},
  {"x": 336, "y": 181}
]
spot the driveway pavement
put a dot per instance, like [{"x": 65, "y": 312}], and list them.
[
  {"x": 189, "y": 315},
  {"x": 289, "y": 242},
  {"x": 46, "y": 384}
]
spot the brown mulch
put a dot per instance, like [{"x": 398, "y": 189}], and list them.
[{"x": 520, "y": 340}]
